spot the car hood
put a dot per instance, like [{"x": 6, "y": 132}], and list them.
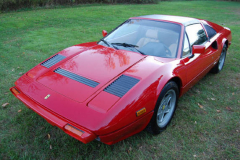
[{"x": 97, "y": 65}]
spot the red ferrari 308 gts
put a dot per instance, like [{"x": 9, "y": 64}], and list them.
[{"x": 128, "y": 81}]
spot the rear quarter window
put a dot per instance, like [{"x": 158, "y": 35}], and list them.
[{"x": 210, "y": 31}]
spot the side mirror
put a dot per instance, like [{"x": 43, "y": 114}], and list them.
[
  {"x": 198, "y": 49},
  {"x": 104, "y": 33}
]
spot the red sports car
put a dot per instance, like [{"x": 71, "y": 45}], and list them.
[{"x": 128, "y": 81}]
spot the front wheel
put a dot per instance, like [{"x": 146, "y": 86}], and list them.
[{"x": 164, "y": 109}]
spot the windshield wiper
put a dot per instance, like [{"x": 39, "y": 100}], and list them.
[
  {"x": 129, "y": 45},
  {"x": 108, "y": 44},
  {"x": 125, "y": 44}
]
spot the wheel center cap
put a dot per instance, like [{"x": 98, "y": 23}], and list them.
[{"x": 163, "y": 107}]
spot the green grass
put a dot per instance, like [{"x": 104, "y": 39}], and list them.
[{"x": 27, "y": 38}]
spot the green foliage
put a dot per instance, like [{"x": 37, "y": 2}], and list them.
[{"x": 16, "y": 4}]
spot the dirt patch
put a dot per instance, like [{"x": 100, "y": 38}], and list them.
[{"x": 235, "y": 80}]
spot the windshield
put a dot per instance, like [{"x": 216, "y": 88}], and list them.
[{"x": 147, "y": 37}]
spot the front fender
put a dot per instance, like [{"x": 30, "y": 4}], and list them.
[{"x": 153, "y": 77}]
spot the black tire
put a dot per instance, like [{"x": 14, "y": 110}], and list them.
[
  {"x": 219, "y": 66},
  {"x": 154, "y": 125}
]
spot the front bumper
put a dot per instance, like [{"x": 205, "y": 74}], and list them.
[{"x": 85, "y": 136}]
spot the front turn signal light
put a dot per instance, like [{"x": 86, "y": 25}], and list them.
[
  {"x": 141, "y": 111},
  {"x": 73, "y": 130},
  {"x": 15, "y": 91}
]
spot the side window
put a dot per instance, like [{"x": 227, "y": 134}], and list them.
[
  {"x": 186, "y": 47},
  {"x": 196, "y": 34},
  {"x": 210, "y": 31}
]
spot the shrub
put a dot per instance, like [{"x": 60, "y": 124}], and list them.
[{"x": 16, "y": 4}]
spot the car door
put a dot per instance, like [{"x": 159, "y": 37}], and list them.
[{"x": 196, "y": 64}]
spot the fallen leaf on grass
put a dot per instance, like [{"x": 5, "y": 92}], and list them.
[
  {"x": 200, "y": 106},
  {"x": 19, "y": 110},
  {"x": 48, "y": 136},
  {"x": 129, "y": 150},
  {"x": 229, "y": 109},
  {"x": 5, "y": 104},
  {"x": 218, "y": 117},
  {"x": 218, "y": 111},
  {"x": 233, "y": 93},
  {"x": 21, "y": 73},
  {"x": 194, "y": 155},
  {"x": 213, "y": 99}
]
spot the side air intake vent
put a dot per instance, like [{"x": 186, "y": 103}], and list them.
[
  {"x": 76, "y": 77},
  {"x": 121, "y": 85},
  {"x": 52, "y": 61}
]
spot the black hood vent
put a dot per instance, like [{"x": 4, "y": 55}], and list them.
[
  {"x": 121, "y": 85},
  {"x": 52, "y": 61},
  {"x": 76, "y": 77}
]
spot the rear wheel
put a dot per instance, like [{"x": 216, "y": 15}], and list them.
[
  {"x": 219, "y": 66},
  {"x": 164, "y": 109}
]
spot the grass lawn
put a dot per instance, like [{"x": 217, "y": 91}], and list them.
[{"x": 27, "y": 38}]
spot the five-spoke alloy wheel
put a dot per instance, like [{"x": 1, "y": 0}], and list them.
[{"x": 164, "y": 109}]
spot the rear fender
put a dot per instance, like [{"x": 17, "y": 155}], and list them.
[
  {"x": 227, "y": 37},
  {"x": 224, "y": 41}
]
